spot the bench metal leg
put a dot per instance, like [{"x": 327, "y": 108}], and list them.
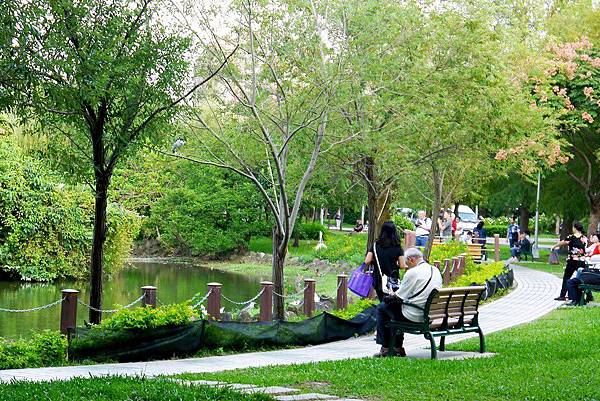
[
  {"x": 481, "y": 341},
  {"x": 443, "y": 343},
  {"x": 432, "y": 342}
]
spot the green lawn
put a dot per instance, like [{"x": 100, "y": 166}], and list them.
[
  {"x": 553, "y": 358},
  {"x": 119, "y": 388},
  {"x": 326, "y": 276}
]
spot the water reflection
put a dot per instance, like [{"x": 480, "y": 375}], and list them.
[{"x": 175, "y": 282}]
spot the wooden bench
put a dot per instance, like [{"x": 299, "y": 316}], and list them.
[
  {"x": 448, "y": 311},
  {"x": 476, "y": 252}
]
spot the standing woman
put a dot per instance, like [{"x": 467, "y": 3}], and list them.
[
  {"x": 575, "y": 258},
  {"x": 386, "y": 255}
]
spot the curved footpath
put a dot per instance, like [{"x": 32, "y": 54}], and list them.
[{"x": 530, "y": 299}]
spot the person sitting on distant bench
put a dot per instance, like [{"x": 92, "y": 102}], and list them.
[
  {"x": 584, "y": 276},
  {"x": 358, "y": 228},
  {"x": 525, "y": 246}
]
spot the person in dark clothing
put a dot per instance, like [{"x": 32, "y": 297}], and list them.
[
  {"x": 480, "y": 236},
  {"x": 390, "y": 255},
  {"x": 587, "y": 276},
  {"x": 575, "y": 258}
]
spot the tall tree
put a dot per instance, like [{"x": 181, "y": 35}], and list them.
[
  {"x": 106, "y": 75},
  {"x": 266, "y": 117}
]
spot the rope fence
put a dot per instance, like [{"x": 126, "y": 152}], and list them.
[
  {"x": 79, "y": 301},
  {"x": 38, "y": 308},
  {"x": 213, "y": 297}
]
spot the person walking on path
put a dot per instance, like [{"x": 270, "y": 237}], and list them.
[
  {"x": 423, "y": 228},
  {"x": 575, "y": 258},
  {"x": 512, "y": 233},
  {"x": 387, "y": 256},
  {"x": 419, "y": 281}
]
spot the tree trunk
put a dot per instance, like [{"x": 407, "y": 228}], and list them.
[
  {"x": 102, "y": 182},
  {"x": 456, "y": 209},
  {"x": 341, "y": 219},
  {"x": 437, "y": 205},
  {"x": 557, "y": 225},
  {"x": 524, "y": 218},
  {"x": 565, "y": 231},
  {"x": 278, "y": 261},
  {"x": 594, "y": 215}
]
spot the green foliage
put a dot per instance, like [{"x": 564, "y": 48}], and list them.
[
  {"x": 478, "y": 273},
  {"x": 343, "y": 248},
  {"x": 147, "y": 318},
  {"x": 310, "y": 230},
  {"x": 354, "y": 308},
  {"x": 121, "y": 388},
  {"x": 493, "y": 229},
  {"x": 208, "y": 212},
  {"x": 402, "y": 223},
  {"x": 46, "y": 226},
  {"x": 46, "y": 348}
]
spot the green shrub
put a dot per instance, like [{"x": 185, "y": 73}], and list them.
[
  {"x": 479, "y": 274},
  {"x": 355, "y": 308},
  {"x": 46, "y": 226},
  {"x": 402, "y": 223},
  {"x": 46, "y": 348},
  {"x": 146, "y": 318},
  {"x": 496, "y": 229},
  {"x": 208, "y": 213},
  {"x": 310, "y": 231}
]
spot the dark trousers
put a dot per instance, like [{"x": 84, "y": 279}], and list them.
[
  {"x": 385, "y": 313},
  {"x": 588, "y": 277},
  {"x": 572, "y": 266}
]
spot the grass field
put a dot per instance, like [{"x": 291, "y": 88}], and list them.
[
  {"x": 117, "y": 389},
  {"x": 553, "y": 358}
]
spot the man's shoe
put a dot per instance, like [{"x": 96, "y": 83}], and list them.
[
  {"x": 560, "y": 299},
  {"x": 383, "y": 352},
  {"x": 400, "y": 352},
  {"x": 589, "y": 297}
]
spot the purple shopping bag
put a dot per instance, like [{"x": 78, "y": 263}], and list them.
[{"x": 361, "y": 281}]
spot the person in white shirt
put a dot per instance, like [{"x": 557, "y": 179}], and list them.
[
  {"x": 419, "y": 281},
  {"x": 423, "y": 227}
]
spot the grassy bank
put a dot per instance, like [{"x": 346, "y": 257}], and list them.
[
  {"x": 548, "y": 359},
  {"x": 120, "y": 388}
]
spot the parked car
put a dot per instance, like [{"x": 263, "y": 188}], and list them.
[{"x": 468, "y": 218}]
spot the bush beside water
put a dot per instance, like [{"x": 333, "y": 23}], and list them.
[{"x": 46, "y": 348}]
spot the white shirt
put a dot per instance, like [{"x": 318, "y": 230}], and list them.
[
  {"x": 414, "y": 280},
  {"x": 424, "y": 228}
]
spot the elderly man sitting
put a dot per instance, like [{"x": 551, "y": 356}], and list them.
[{"x": 419, "y": 281}]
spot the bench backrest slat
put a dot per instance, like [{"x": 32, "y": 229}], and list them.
[{"x": 453, "y": 307}]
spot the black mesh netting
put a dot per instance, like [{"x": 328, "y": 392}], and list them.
[{"x": 167, "y": 342}]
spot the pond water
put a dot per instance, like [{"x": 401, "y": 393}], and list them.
[{"x": 175, "y": 283}]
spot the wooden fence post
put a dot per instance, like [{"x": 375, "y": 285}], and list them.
[
  {"x": 497, "y": 247},
  {"x": 309, "y": 296},
  {"x": 342, "y": 292},
  {"x": 410, "y": 239},
  {"x": 149, "y": 299},
  {"x": 266, "y": 302},
  {"x": 214, "y": 301},
  {"x": 461, "y": 264},
  {"x": 454, "y": 273},
  {"x": 68, "y": 311},
  {"x": 447, "y": 268}
]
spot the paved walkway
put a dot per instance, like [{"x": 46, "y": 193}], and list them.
[{"x": 532, "y": 298}]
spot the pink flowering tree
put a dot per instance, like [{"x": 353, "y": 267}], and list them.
[{"x": 570, "y": 87}]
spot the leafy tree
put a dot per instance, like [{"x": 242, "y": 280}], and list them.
[
  {"x": 570, "y": 87},
  {"x": 106, "y": 75},
  {"x": 266, "y": 117}
]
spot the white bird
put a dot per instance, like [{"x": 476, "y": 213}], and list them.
[{"x": 177, "y": 144}]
